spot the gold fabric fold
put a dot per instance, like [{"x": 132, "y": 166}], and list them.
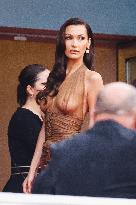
[{"x": 64, "y": 116}]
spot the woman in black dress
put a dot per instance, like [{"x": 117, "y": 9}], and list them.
[{"x": 25, "y": 125}]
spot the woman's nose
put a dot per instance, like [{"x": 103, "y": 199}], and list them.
[{"x": 74, "y": 42}]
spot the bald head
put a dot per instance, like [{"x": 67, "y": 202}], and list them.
[{"x": 116, "y": 98}]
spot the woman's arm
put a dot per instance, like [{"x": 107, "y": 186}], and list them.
[
  {"x": 27, "y": 184},
  {"x": 94, "y": 84}
]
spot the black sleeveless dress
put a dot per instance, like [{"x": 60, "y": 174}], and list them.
[{"x": 23, "y": 131}]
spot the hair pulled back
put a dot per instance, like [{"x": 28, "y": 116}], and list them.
[{"x": 28, "y": 76}]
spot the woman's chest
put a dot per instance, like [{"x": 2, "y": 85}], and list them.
[
  {"x": 69, "y": 101},
  {"x": 69, "y": 98}
]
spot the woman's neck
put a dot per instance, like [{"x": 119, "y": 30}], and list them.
[
  {"x": 34, "y": 107},
  {"x": 73, "y": 65}
]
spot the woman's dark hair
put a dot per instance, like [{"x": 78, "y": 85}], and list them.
[
  {"x": 28, "y": 76},
  {"x": 58, "y": 73}
]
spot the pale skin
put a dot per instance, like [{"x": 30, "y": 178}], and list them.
[
  {"x": 27, "y": 184},
  {"x": 33, "y": 91},
  {"x": 76, "y": 41}
]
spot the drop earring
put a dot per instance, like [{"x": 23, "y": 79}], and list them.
[{"x": 87, "y": 50}]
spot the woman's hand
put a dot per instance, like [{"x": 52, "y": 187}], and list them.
[{"x": 28, "y": 182}]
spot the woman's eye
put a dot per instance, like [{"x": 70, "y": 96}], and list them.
[
  {"x": 81, "y": 38},
  {"x": 67, "y": 38}
]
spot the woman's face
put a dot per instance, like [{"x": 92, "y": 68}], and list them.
[
  {"x": 40, "y": 83},
  {"x": 76, "y": 41}
]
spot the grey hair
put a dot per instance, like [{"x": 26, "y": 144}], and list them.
[{"x": 119, "y": 106}]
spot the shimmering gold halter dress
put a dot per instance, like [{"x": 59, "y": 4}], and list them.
[{"x": 64, "y": 116}]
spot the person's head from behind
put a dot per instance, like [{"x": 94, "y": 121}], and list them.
[
  {"x": 75, "y": 41},
  {"x": 32, "y": 79},
  {"x": 117, "y": 101}
]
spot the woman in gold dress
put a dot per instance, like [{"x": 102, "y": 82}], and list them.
[{"x": 70, "y": 92}]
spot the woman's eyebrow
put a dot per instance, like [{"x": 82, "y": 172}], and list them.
[{"x": 72, "y": 34}]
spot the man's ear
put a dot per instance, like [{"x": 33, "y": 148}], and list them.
[
  {"x": 133, "y": 119},
  {"x": 94, "y": 116},
  {"x": 135, "y": 122}
]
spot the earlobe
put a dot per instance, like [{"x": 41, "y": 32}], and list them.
[
  {"x": 89, "y": 42},
  {"x": 135, "y": 123}
]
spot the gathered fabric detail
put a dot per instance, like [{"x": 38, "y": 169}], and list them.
[{"x": 64, "y": 117}]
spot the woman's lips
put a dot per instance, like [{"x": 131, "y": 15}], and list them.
[{"x": 74, "y": 51}]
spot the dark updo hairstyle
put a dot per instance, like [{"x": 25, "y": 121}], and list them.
[
  {"x": 58, "y": 73},
  {"x": 28, "y": 76}
]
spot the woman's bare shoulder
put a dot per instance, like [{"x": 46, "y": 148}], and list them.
[{"x": 93, "y": 76}]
